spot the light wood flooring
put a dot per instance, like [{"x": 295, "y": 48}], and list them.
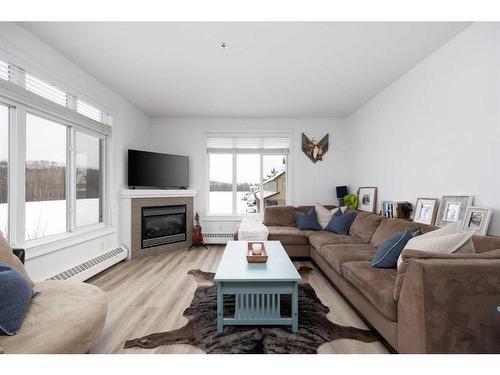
[{"x": 149, "y": 295}]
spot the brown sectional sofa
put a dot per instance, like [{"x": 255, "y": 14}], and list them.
[{"x": 435, "y": 304}]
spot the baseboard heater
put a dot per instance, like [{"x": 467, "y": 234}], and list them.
[
  {"x": 92, "y": 267},
  {"x": 217, "y": 238}
]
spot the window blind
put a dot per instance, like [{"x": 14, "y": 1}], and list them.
[
  {"x": 88, "y": 110},
  {"x": 45, "y": 89},
  {"x": 248, "y": 144},
  {"x": 4, "y": 70},
  {"x": 22, "y": 78}
]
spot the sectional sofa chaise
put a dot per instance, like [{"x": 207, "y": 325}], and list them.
[{"x": 434, "y": 303}]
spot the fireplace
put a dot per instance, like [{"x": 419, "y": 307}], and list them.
[{"x": 163, "y": 225}]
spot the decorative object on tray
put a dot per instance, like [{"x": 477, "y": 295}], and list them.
[
  {"x": 256, "y": 252},
  {"x": 452, "y": 209},
  {"x": 367, "y": 199},
  {"x": 201, "y": 331},
  {"x": 314, "y": 150},
  {"x": 342, "y": 191},
  {"x": 477, "y": 220},
  {"x": 426, "y": 210},
  {"x": 351, "y": 201},
  {"x": 197, "y": 234}
]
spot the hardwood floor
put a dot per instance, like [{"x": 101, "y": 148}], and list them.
[{"x": 149, "y": 295}]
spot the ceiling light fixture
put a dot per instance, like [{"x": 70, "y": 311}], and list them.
[{"x": 223, "y": 45}]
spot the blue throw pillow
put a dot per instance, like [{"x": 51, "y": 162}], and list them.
[
  {"x": 388, "y": 252},
  {"x": 340, "y": 222},
  {"x": 307, "y": 221},
  {"x": 15, "y": 297}
]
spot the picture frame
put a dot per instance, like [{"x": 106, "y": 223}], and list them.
[
  {"x": 452, "y": 209},
  {"x": 426, "y": 210},
  {"x": 367, "y": 199},
  {"x": 388, "y": 209},
  {"x": 477, "y": 220}
]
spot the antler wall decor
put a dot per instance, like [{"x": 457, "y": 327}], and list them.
[{"x": 313, "y": 150}]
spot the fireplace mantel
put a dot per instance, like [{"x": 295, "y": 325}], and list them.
[{"x": 144, "y": 193}]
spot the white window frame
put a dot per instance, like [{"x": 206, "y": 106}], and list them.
[
  {"x": 235, "y": 216},
  {"x": 20, "y": 105}
]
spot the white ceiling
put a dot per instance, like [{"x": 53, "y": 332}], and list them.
[{"x": 268, "y": 69}]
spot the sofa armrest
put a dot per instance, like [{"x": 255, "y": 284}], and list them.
[
  {"x": 450, "y": 306},
  {"x": 20, "y": 253}
]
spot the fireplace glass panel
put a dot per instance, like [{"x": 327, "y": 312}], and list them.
[{"x": 163, "y": 225}]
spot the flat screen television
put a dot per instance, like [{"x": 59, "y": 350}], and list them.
[{"x": 155, "y": 170}]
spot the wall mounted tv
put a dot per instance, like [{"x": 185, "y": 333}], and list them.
[{"x": 154, "y": 170}]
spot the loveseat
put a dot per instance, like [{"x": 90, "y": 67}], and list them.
[
  {"x": 434, "y": 303},
  {"x": 66, "y": 317}
]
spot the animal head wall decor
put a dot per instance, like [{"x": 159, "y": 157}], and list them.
[{"x": 314, "y": 150}]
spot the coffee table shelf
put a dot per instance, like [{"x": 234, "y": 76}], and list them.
[{"x": 256, "y": 287}]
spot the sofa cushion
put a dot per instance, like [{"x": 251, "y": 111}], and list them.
[
  {"x": 15, "y": 297},
  {"x": 388, "y": 252},
  {"x": 306, "y": 209},
  {"x": 364, "y": 225},
  {"x": 289, "y": 235},
  {"x": 376, "y": 284},
  {"x": 448, "y": 239},
  {"x": 8, "y": 257},
  {"x": 279, "y": 216},
  {"x": 307, "y": 221},
  {"x": 67, "y": 317},
  {"x": 390, "y": 226},
  {"x": 320, "y": 239},
  {"x": 340, "y": 222},
  {"x": 325, "y": 214},
  {"x": 336, "y": 255}
]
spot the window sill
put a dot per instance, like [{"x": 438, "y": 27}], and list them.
[{"x": 50, "y": 244}]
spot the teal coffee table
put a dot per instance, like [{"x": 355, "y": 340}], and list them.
[{"x": 257, "y": 287}]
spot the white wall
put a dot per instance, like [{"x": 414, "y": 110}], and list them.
[
  {"x": 130, "y": 129},
  {"x": 311, "y": 182},
  {"x": 436, "y": 130}
]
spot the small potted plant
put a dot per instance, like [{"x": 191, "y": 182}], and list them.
[{"x": 351, "y": 201}]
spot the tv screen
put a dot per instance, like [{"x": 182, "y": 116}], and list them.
[{"x": 151, "y": 169}]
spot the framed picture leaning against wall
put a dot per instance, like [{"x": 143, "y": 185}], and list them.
[{"x": 367, "y": 199}]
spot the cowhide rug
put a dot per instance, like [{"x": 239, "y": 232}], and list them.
[{"x": 201, "y": 330}]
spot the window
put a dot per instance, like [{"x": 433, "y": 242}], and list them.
[
  {"x": 221, "y": 183},
  {"x": 4, "y": 170},
  {"x": 52, "y": 162},
  {"x": 88, "y": 162},
  {"x": 246, "y": 174},
  {"x": 46, "y": 159},
  {"x": 247, "y": 183},
  {"x": 274, "y": 180}
]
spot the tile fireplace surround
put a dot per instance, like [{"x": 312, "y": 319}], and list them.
[{"x": 132, "y": 203}]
